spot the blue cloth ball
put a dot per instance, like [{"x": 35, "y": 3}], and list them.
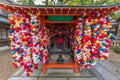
[
  {"x": 78, "y": 52},
  {"x": 11, "y": 31},
  {"x": 33, "y": 22},
  {"x": 13, "y": 52},
  {"x": 15, "y": 59},
  {"x": 98, "y": 32},
  {"x": 24, "y": 23},
  {"x": 102, "y": 49},
  {"x": 17, "y": 49},
  {"x": 104, "y": 44},
  {"x": 21, "y": 55}
]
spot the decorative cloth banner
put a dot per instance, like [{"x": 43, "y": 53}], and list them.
[
  {"x": 91, "y": 39},
  {"x": 28, "y": 41}
]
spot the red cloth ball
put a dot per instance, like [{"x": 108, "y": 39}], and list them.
[
  {"x": 89, "y": 19},
  {"x": 60, "y": 40},
  {"x": 20, "y": 59},
  {"x": 15, "y": 65},
  {"x": 12, "y": 22}
]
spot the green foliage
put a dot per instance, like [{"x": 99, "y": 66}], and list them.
[
  {"x": 31, "y": 2},
  {"x": 91, "y": 2},
  {"x": 112, "y": 1},
  {"x": 64, "y": 1},
  {"x": 24, "y": 2},
  {"x": 74, "y": 2},
  {"x": 115, "y": 16},
  {"x": 116, "y": 49},
  {"x": 50, "y": 2}
]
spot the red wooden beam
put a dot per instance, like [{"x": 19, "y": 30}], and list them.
[
  {"x": 56, "y": 65},
  {"x": 74, "y": 11}
]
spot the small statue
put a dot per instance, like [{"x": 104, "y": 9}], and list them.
[{"x": 60, "y": 60}]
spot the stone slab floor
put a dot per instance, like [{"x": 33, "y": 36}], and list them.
[{"x": 6, "y": 68}]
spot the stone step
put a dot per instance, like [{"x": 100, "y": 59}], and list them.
[
  {"x": 23, "y": 78},
  {"x": 4, "y": 48},
  {"x": 60, "y": 72},
  {"x": 86, "y": 73},
  {"x": 53, "y": 79},
  {"x": 37, "y": 78},
  {"x": 105, "y": 71},
  {"x": 83, "y": 79},
  {"x": 68, "y": 73},
  {"x": 68, "y": 79},
  {"x": 110, "y": 67}
]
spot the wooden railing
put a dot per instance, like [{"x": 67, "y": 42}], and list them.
[
  {"x": 4, "y": 43},
  {"x": 115, "y": 43}
]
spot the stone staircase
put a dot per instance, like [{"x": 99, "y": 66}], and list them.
[{"x": 104, "y": 70}]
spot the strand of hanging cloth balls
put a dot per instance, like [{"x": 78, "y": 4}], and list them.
[
  {"x": 92, "y": 41},
  {"x": 28, "y": 41}
]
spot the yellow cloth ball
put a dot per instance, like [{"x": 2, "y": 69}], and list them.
[
  {"x": 91, "y": 22},
  {"x": 34, "y": 29},
  {"x": 38, "y": 13},
  {"x": 25, "y": 43},
  {"x": 28, "y": 51},
  {"x": 10, "y": 37},
  {"x": 15, "y": 20},
  {"x": 100, "y": 44},
  {"x": 20, "y": 21},
  {"x": 28, "y": 13},
  {"x": 89, "y": 54},
  {"x": 102, "y": 58},
  {"x": 30, "y": 73},
  {"x": 94, "y": 61},
  {"x": 35, "y": 20},
  {"x": 104, "y": 25},
  {"x": 84, "y": 59},
  {"x": 77, "y": 39},
  {"x": 24, "y": 37},
  {"x": 110, "y": 35},
  {"x": 11, "y": 18},
  {"x": 12, "y": 41},
  {"x": 11, "y": 27},
  {"x": 97, "y": 42},
  {"x": 95, "y": 20},
  {"x": 15, "y": 26},
  {"x": 16, "y": 62},
  {"x": 13, "y": 56}
]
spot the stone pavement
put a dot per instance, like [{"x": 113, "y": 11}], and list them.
[
  {"x": 4, "y": 48},
  {"x": 6, "y": 68},
  {"x": 107, "y": 70},
  {"x": 104, "y": 70}
]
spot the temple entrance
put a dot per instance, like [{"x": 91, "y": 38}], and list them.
[
  {"x": 29, "y": 39},
  {"x": 60, "y": 43},
  {"x": 60, "y": 50}
]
